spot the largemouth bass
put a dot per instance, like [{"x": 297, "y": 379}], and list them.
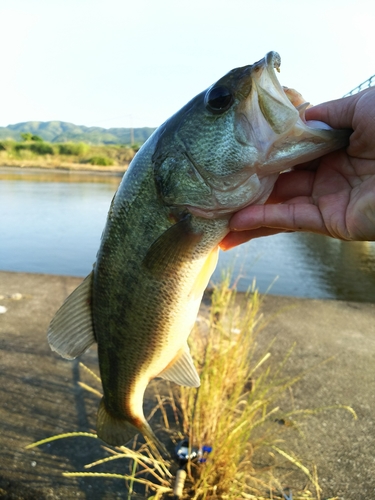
[{"x": 219, "y": 153}]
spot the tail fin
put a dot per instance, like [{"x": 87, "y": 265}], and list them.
[{"x": 119, "y": 431}]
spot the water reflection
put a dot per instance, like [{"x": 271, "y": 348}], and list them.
[
  {"x": 305, "y": 265},
  {"x": 51, "y": 222},
  {"x": 345, "y": 269}
]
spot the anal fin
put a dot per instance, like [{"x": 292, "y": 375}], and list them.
[
  {"x": 71, "y": 332},
  {"x": 182, "y": 370}
]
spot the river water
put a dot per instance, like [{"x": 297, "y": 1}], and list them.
[{"x": 51, "y": 222}]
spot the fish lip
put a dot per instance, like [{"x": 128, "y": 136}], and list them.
[
  {"x": 266, "y": 87},
  {"x": 270, "y": 62}
]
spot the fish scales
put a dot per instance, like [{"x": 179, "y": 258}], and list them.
[{"x": 219, "y": 153}]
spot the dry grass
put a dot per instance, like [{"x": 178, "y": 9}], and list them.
[{"x": 235, "y": 409}]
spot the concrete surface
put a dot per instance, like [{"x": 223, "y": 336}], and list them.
[{"x": 40, "y": 397}]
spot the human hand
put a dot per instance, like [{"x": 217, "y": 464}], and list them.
[{"x": 334, "y": 195}]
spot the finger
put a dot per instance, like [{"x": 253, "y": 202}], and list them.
[
  {"x": 292, "y": 184},
  {"x": 237, "y": 238},
  {"x": 298, "y": 216},
  {"x": 338, "y": 113}
]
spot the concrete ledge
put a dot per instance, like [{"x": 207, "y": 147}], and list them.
[{"x": 40, "y": 397}]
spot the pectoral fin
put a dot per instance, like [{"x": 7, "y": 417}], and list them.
[
  {"x": 175, "y": 245},
  {"x": 182, "y": 370},
  {"x": 71, "y": 332},
  {"x": 205, "y": 274}
]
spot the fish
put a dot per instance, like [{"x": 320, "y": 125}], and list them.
[{"x": 221, "y": 152}]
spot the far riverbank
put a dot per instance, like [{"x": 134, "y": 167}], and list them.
[
  {"x": 18, "y": 165},
  {"x": 34, "y": 152}
]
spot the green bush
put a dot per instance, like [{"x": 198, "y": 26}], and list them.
[
  {"x": 20, "y": 147},
  {"x": 77, "y": 149},
  {"x": 101, "y": 160},
  {"x": 40, "y": 148},
  {"x": 36, "y": 138},
  {"x": 2, "y": 147},
  {"x": 28, "y": 136}
]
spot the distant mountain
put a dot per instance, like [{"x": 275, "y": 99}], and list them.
[{"x": 68, "y": 132}]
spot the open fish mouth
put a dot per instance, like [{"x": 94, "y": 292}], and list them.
[
  {"x": 268, "y": 98},
  {"x": 272, "y": 118},
  {"x": 270, "y": 89}
]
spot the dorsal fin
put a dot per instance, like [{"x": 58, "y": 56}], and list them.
[{"x": 71, "y": 331}]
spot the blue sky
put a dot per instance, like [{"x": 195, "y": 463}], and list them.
[{"x": 115, "y": 63}]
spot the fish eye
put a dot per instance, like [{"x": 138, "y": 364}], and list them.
[{"x": 218, "y": 100}]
